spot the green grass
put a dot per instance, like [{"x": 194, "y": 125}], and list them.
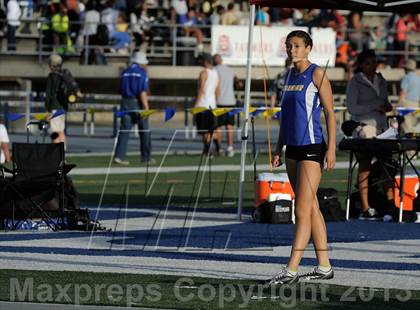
[
  {"x": 217, "y": 189},
  {"x": 192, "y": 293},
  {"x": 174, "y": 160},
  {"x": 91, "y": 187}
]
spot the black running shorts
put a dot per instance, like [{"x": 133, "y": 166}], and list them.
[
  {"x": 206, "y": 122},
  {"x": 313, "y": 152},
  {"x": 226, "y": 119}
]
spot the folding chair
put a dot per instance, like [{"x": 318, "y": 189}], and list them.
[{"x": 38, "y": 175}]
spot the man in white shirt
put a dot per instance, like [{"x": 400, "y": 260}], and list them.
[
  {"x": 4, "y": 145},
  {"x": 109, "y": 17},
  {"x": 13, "y": 16},
  {"x": 226, "y": 99}
]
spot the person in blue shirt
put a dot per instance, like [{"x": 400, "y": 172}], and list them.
[
  {"x": 134, "y": 87},
  {"x": 410, "y": 96},
  {"x": 306, "y": 93}
]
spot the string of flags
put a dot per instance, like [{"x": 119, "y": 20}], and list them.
[
  {"x": 37, "y": 116},
  {"x": 169, "y": 112}
]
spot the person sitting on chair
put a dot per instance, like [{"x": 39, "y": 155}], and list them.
[{"x": 367, "y": 102}]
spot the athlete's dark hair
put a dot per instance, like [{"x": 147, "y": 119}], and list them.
[{"x": 301, "y": 34}]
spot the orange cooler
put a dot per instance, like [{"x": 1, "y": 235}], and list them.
[
  {"x": 411, "y": 185},
  {"x": 272, "y": 183}
]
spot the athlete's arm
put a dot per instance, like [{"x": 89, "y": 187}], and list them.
[
  {"x": 277, "y": 154},
  {"x": 326, "y": 98},
  {"x": 201, "y": 82}
]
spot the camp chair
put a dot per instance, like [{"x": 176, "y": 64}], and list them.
[{"x": 37, "y": 177}]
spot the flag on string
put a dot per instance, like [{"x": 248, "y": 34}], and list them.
[
  {"x": 405, "y": 111},
  {"x": 40, "y": 116},
  {"x": 271, "y": 112},
  {"x": 14, "y": 116},
  {"x": 256, "y": 112},
  {"x": 58, "y": 113},
  {"x": 120, "y": 113},
  {"x": 219, "y": 111},
  {"x": 169, "y": 113},
  {"x": 235, "y": 111},
  {"x": 198, "y": 110},
  {"x": 147, "y": 113}
]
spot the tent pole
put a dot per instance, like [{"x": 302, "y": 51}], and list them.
[{"x": 245, "y": 124}]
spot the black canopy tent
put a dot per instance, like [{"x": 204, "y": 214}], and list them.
[{"x": 395, "y": 6}]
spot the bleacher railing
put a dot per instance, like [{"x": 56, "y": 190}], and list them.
[{"x": 166, "y": 44}]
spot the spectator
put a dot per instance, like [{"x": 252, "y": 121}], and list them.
[
  {"x": 121, "y": 36},
  {"x": 377, "y": 39},
  {"x": 95, "y": 35},
  {"x": 297, "y": 16},
  {"x": 141, "y": 25},
  {"x": 339, "y": 26},
  {"x": 367, "y": 102},
  {"x": 13, "y": 21},
  {"x": 274, "y": 15},
  {"x": 191, "y": 29},
  {"x": 410, "y": 96},
  {"x": 262, "y": 17},
  {"x": 230, "y": 17},
  {"x": 134, "y": 87},
  {"x": 216, "y": 17},
  {"x": 286, "y": 16},
  {"x": 109, "y": 16},
  {"x": 357, "y": 36},
  {"x": 5, "y": 156},
  {"x": 92, "y": 19},
  {"x": 390, "y": 26},
  {"x": 27, "y": 8},
  {"x": 300, "y": 17},
  {"x": 403, "y": 26},
  {"x": 208, "y": 90},
  {"x": 74, "y": 18},
  {"x": 46, "y": 27},
  {"x": 60, "y": 28},
  {"x": 226, "y": 99}
]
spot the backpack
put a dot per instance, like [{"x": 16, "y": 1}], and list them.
[
  {"x": 329, "y": 205},
  {"x": 67, "y": 90},
  {"x": 80, "y": 219}
]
